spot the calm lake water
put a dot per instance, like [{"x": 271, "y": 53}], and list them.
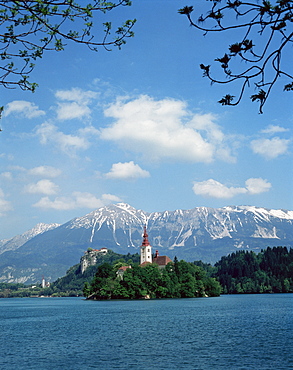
[{"x": 229, "y": 332}]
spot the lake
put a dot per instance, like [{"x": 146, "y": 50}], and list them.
[{"x": 227, "y": 332}]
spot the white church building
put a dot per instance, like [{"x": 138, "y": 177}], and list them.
[{"x": 146, "y": 253}]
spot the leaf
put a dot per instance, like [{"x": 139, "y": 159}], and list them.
[
  {"x": 235, "y": 48},
  {"x": 288, "y": 87},
  {"x": 227, "y": 99},
  {"x": 225, "y": 60},
  {"x": 186, "y": 10},
  {"x": 206, "y": 69},
  {"x": 247, "y": 45},
  {"x": 261, "y": 96}
]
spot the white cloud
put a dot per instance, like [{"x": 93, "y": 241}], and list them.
[
  {"x": 6, "y": 175},
  {"x": 126, "y": 171},
  {"x": 17, "y": 168},
  {"x": 75, "y": 103},
  {"x": 7, "y": 156},
  {"x": 72, "y": 110},
  {"x": 60, "y": 203},
  {"x": 109, "y": 198},
  {"x": 42, "y": 187},
  {"x": 77, "y": 200},
  {"x": 46, "y": 171},
  {"x": 25, "y": 108},
  {"x": 273, "y": 129},
  {"x": 270, "y": 148},
  {"x": 89, "y": 131},
  {"x": 214, "y": 189},
  {"x": 76, "y": 94},
  {"x": 86, "y": 200},
  {"x": 48, "y": 133},
  {"x": 257, "y": 185},
  {"x": 5, "y": 205},
  {"x": 165, "y": 129}
]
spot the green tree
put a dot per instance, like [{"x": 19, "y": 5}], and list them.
[
  {"x": 286, "y": 284},
  {"x": 212, "y": 287},
  {"x": 133, "y": 283},
  {"x": 29, "y": 28},
  {"x": 256, "y": 57},
  {"x": 246, "y": 272},
  {"x": 86, "y": 289}
]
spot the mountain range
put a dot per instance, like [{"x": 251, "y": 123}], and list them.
[{"x": 200, "y": 233}]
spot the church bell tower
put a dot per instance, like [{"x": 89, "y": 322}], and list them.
[{"x": 145, "y": 249}]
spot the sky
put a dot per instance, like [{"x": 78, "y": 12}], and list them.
[{"x": 141, "y": 126}]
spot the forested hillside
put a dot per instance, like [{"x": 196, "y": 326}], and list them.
[{"x": 270, "y": 271}]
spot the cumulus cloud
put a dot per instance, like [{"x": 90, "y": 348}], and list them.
[
  {"x": 126, "y": 171},
  {"x": 42, "y": 187},
  {"x": 77, "y": 200},
  {"x": 59, "y": 203},
  {"x": 47, "y": 171},
  {"x": 214, "y": 189},
  {"x": 270, "y": 148},
  {"x": 74, "y": 103},
  {"x": 257, "y": 185},
  {"x": 49, "y": 134},
  {"x": 165, "y": 129},
  {"x": 24, "y": 108},
  {"x": 273, "y": 129},
  {"x": 5, "y": 205}
]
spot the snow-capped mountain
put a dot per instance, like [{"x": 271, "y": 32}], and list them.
[
  {"x": 18, "y": 240},
  {"x": 200, "y": 233}
]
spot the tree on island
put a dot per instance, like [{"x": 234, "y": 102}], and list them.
[
  {"x": 256, "y": 57},
  {"x": 29, "y": 28},
  {"x": 178, "y": 280}
]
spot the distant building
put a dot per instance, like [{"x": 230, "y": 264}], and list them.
[{"x": 44, "y": 283}]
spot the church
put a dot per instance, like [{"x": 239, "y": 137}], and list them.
[{"x": 146, "y": 253}]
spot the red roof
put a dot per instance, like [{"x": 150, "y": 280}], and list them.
[
  {"x": 124, "y": 268},
  {"x": 162, "y": 260},
  {"x": 145, "y": 263}
]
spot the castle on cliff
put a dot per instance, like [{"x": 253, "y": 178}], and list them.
[{"x": 90, "y": 257}]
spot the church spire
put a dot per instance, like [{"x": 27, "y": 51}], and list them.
[
  {"x": 145, "y": 249},
  {"x": 145, "y": 241}
]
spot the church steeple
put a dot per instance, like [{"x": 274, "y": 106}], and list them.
[{"x": 145, "y": 249}]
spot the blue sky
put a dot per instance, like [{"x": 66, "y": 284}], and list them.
[{"x": 139, "y": 125}]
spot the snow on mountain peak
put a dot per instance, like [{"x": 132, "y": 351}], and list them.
[{"x": 18, "y": 240}]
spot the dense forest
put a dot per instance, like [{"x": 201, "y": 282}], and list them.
[
  {"x": 177, "y": 280},
  {"x": 270, "y": 271}
]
